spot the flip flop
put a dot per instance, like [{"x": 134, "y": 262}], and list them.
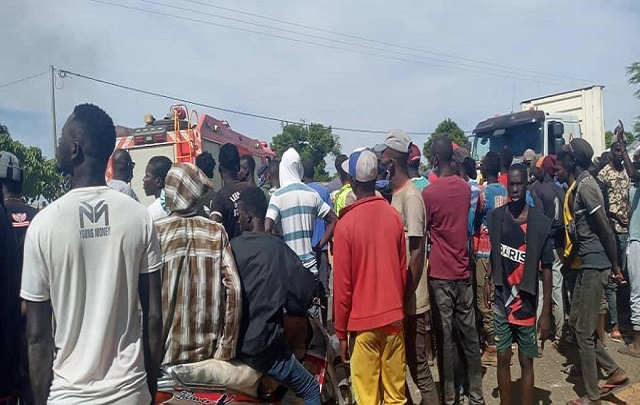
[
  {"x": 580, "y": 401},
  {"x": 625, "y": 350},
  {"x": 609, "y": 388}
]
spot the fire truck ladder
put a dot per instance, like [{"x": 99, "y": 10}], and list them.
[{"x": 185, "y": 147}]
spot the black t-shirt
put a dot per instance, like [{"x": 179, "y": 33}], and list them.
[
  {"x": 548, "y": 198},
  {"x": 272, "y": 278},
  {"x": 21, "y": 215},
  {"x": 225, "y": 204},
  {"x": 9, "y": 304}
]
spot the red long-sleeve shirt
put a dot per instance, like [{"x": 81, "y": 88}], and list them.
[{"x": 370, "y": 267}]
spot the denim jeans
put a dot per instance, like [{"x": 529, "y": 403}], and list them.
[
  {"x": 452, "y": 301},
  {"x": 611, "y": 289},
  {"x": 283, "y": 367},
  {"x": 585, "y": 306},
  {"x": 633, "y": 265}
]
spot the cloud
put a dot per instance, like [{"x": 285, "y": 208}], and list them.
[{"x": 293, "y": 80}]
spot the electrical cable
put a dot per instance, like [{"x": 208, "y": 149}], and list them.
[
  {"x": 63, "y": 72},
  {"x": 23, "y": 79}
]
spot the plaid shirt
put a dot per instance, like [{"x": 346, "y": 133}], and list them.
[{"x": 208, "y": 309}]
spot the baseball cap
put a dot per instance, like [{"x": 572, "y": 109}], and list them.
[
  {"x": 10, "y": 167},
  {"x": 581, "y": 151},
  {"x": 414, "y": 155},
  {"x": 362, "y": 165},
  {"x": 460, "y": 154},
  {"x": 529, "y": 155},
  {"x": 397, "y": 140},
  {"x": 540, "y": 161}
]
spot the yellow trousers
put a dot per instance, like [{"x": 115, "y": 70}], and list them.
[{"x": 378, "y": 364}]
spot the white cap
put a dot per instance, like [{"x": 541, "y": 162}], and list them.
[{"x": 362, "y": 165}]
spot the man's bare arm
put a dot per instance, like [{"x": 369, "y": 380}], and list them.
[
  {"x": 150, "y": 293},
  {"x": 40, "y": 347},
  {"x": 416, "y": 259},
  {"x": 331, "y": 218}
]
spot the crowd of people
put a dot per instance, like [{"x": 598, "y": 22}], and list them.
[{"x": 453, "y": 266}]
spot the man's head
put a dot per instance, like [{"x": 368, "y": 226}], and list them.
[
  {"x": 185, "y": 185},
  {"x": 309, "y": 171},
  {"x": 517, "y": 182},
  {"x": 123, "y": 165},
  {"x": 340, "y": 159},
  {"x": 362, "y": 168},
  {"x": 413, "y": 160},
  {"x": 252, "y": 209},
  {"x": 573, "y": 159},
  {"x": 490, "y": 166},
  {"x": 206, "y": 163},
  {"x": 11, "y": 175},
  {"x": 441, "y": 151},
  {"x": 87, "y": 140},
  {"x": 617, "y": 158},
  {"x": 247, "y": 170},
  {"x": 536, "y": 170},
  {"x": 395, "y": 152},
  {"x": 154, "y": 174},
  {"x": 273, "y": 173},
  {"x": 229, "y": 160},
  {"x": 506, "y": 158},
  {"x": 460, "y": 155},
  {"x": 528, "y": 157}
]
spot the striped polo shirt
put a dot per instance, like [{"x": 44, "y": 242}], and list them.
[{"x": 297, "y": 206}]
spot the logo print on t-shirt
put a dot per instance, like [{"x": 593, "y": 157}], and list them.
[
  {"x": 20, "y": 220},
  {"x": 95, "y": 216}
]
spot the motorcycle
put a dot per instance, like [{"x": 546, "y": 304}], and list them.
[{"x": 220, "y": 383}]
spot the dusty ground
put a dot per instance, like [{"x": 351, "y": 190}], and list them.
[{"x": 552, "y": 386}]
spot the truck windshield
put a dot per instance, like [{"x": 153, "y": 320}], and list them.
[{"x": 518, "y": 138}]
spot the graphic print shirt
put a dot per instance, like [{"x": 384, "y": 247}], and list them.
[{"x": 517, "y": 306}]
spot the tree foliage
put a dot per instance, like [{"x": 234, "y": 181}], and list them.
[
  {"x": 313, "y": 142},
  {"x": 451, "y": 130},
  {"x": 608, "y": 138},
  {"x": 42, "y": 179}
]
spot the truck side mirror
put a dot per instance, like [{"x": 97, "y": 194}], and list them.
[
  {"x": 558, "y": 143},
  {"x": 557, "y": 129}
]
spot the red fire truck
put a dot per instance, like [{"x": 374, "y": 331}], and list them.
[{"x": 181, "y": 136}]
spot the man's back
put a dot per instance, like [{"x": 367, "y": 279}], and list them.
[
  {"x": 447, "y": 202},
  {"x": 272, "y": 279},
  {"x": 297, "y": 206},
  {"x": 225, "y": 204},
  {"x": 548, "y": 199},
  {"x": 21, "y": 215},
  {"x": 320, "y": 226},
  {"x": 85, "y": 252},
  {"x": 122, "y": 187},
  {"x": 370, "y": 266},
  {"x": 197, "y": 261}
]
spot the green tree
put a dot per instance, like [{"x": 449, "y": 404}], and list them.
[
  {"x": 451, "y": 130},
  {"x": 313, "y": 142},
  {"x": 42, "y": 180},
  {"x": 633, "y": 72},
  {"x": 608, "y": 138}
]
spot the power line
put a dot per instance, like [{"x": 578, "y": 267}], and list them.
[
  {"x": 63, "y": 73},
  {"x": 434, "y": 63},
  {"x": 453, "y": 64},
  {"x": 390, "y": 44},
  {"x": 24, "y": 79}
]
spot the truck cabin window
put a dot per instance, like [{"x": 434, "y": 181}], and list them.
[{"x": 518, "y": 138}]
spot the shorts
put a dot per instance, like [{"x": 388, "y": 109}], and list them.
[{"x": 506, "y": 332}]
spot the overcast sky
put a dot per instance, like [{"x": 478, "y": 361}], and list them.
[{"x": 534, "y": 48}]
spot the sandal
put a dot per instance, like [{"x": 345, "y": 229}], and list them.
[
  {"x": 582, "y": 401},
  {"x": 625, "y": 350},
  {"x": 611, "y": 388}
]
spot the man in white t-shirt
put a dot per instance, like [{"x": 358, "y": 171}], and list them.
[
  {"x": 153, "y": 184},
  {"x": 122, "y": 166},
  {"x": 91, "y": 261}
]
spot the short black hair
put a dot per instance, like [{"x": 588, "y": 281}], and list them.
[
  {"x": 340, "y": 159},
  {"x": 229, "y": 158},
  {"x": 251, "y": 163},
  {"x": 470, "y": 167},
  {"x": 206, "y": 163},
  {"x": 369, "y": 186},
  {"x": 566, "y": 159},
  {"x": 254, "y": 201},
  {"x": 491, "y": 163},
  {"x": 96, "y": 129},
  {"x": 506, "y": 158},
  {"x": 522, "y": 169},
  {"x": 274, "y": 167},
  {"x": 614, "y": 144},
  {"x": 309, "y": 169},
  {"x": 442, "y": 147},
  {"x": 14, "y": 187},
  {"x": 160, "y": 166}
]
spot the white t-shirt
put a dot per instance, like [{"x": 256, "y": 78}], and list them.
[
  {"x": 85, "y": 253},
  {"x": 156, "y": 211}
]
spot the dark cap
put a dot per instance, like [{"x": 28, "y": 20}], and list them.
[
  {"x": 460, "y": 154},
  {"x": 581, "y": 151}
]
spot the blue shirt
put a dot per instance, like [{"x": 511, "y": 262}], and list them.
[
  {"x": 320, "y": 226},
  {"x": 634, "y": 223}
]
